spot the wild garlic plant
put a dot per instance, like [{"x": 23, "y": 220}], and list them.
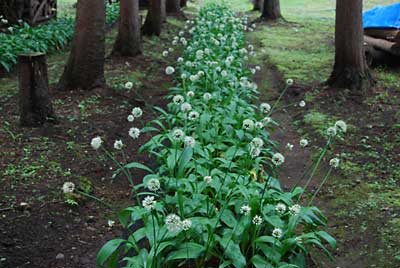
[{"x": 213, "y": 199}]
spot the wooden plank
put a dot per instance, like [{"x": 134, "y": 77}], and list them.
[{"x": 382, "y": 44}]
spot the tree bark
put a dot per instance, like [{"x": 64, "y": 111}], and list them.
[
  {"x": 350, "y": 69},
  {"x": 271, "y": 10},
  {"x": 173, "y": 7},
  {"x": 128, "y": 42},
  {"x": 34, "y": 98},
  {"x": 258, "y": 5},
  {"x": 154, "y": 18},
  {"x": 85, "y": 66}
]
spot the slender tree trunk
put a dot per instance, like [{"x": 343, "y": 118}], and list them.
[
  {"x": 258, "y": 5},
  {"x": 173, "y": 7},
  {"x": 271, "y": 10},
  {"x": 128, "y": 42},
  {"x": 183, "y": 3},
  {"x": 154, "y": 18},
  {"x": 350, "y": 69},
  {"x": 34, "y": 98},
  {"x": 85, "y": 66}
]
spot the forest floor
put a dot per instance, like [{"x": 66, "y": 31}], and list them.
[
  {"x": 37, "y": 227},
  {"x": 361, "y": 200}
]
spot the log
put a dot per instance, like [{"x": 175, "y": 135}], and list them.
[
  {"x": 34, "y": 98},
  {"x": 390, "y": 47}
]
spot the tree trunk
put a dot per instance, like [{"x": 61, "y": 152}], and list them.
[
  {"x": 350, "y": 69},
  {"x": 258, "y": 5},
  {"x": 173, "y": 7},
  {"x": 34, "y": 98},
  {"x": 154, "y": 18},
  {"x": 183, "y": 3},
  {"x": 271, "y": 10},
  {"x": 85, "y": 66},
  {"x": 128, "y": 42}
]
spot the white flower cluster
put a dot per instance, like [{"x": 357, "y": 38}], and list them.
[{"x": 176, "y": 225}]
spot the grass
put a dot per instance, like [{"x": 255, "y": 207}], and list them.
[{"x": 304, "y": 48}]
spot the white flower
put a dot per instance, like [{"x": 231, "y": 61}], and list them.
[
  {"x": 341, "y": 125},
  {"x": 199, "y": 54},
  {"x": 110, "y": 223},
  {"x": 134, "y": 132},
  {"x": 289, "y": 82},
  {"x": 189, "y": 141},
  {"x": 334, "y": 162},
  {"x": 267, "y": 120},
  {"x": 169, "y": 70},
  {"x": 254, "y": 151},
  {"x": 96, "y": 143},
  {"x": 245, "y": 210},
  {"x": 278, "y": 159},
  {"x": 130, "y": 118},
  {"x": 248, "y": 124},
  {"x": 295, "y": 209},
  {"x": 4, "y": 21},
  {"x": 280, "y": 208},
  {"x": 193, "y": 77},
  {"x": 183, "y": 76},
  {"x": 185, "y": 107},
  {"x": 128, "y": 85},
  {"x": 68, "y": 187},
  {"x": 165, "y": 53},
  {"x": 153, "y": 185},
  {"x": 277, "y": 233},
  {"x": 149, "y": 203},
  {"x": 302, "y": 104},
  {"x": 180, "y": 59},
  {"x": 178, "y": 99},
  {"x": 259, "y": 125},
  {"x": 265, "y": 108},
  {"x": 173, "y": 223},
  {"x": 257, "y": 142},
  {"x": 257, "y": 220},
  {"x": 118, "y": 145},
  {"x": 303, "y": 143},
  {"x": 137, "y": 112},
  {"x": 190, "y": 94},
  {"x": 171, "y": 49},
  {"x": 207, "y": 179},
  {"x": 193, "y": 115},
  {"x": 178, "y": 134},
  {"x": 258, "y": 68},
  {"x": 207, "y": 96},
  {"x": 224, "y": 73},
  {"x": 186, "y": 224},
  {"x": 289, "y": 146},
  {"x": 331, "y": 131}
]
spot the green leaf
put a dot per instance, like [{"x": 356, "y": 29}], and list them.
[
  {"x": 187, "y": 250},
  {"x": 259, "y": 262},
  {"x": 108, "y": 249},
  {"x": 139, "y": 166},
  {"x": 184, "y": 160},
  {"x": 328, "y": 238}
]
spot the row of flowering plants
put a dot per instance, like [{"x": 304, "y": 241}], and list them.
[{"x": 212, "y": 198}]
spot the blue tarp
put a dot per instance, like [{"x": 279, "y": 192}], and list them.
[{"x": 383, "y": 17}]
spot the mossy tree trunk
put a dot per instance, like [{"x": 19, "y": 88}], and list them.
[
  {"x": 34, "y": 98},
  {"x": 128, "y": 42},
  {"x": 155, "y": 17},
  {"x": 271, "y": 10},
  {"x": 173, "y": 7},
  {"x": 350, "y": 69},
  {"x": 85, "y": 66}
]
